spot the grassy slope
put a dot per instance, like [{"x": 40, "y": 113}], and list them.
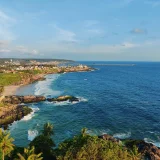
[{"x": 9, "y": 78}]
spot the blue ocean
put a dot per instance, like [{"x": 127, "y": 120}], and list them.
[{"x": 118, "y": 98}]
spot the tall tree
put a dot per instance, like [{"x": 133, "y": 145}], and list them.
[
  {"x": 29, "y": 154},
  {"x": 6, "y": 143},
  {"x": 44, "y": 143},
  {"x": 47, "y": 129}
]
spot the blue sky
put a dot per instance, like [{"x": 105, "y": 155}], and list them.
[{"x": 113, "y": 30}]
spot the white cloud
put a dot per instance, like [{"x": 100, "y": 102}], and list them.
[
  {"x": 34, "y": 52},
  {"x": 6, "y": 22},
  {"x": 91, "y": 49},
  {"x": 5, "y": 50},
  {"x": 5, "y": 19},
  {"x": 63, "y": 35},
  {"x": 23, "y": 50},
  {"x": 139, "y": 31}
]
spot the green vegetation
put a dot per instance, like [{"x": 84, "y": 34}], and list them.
[
  {"x": 44, "y": 143},
  {"x": 16, "y": 78},
  {"x": 86, "y": 147},
  {"x": 9, "y": 78},
  {"x": 29, "y": 154},
  {"x": 6, "y": 145},
  {"x": 80, "y": 147}
]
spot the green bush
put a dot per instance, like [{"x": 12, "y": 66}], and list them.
[{"x": 86, "y": 147}]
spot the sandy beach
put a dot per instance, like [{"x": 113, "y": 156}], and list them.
[{"x": 10, "y": 90}]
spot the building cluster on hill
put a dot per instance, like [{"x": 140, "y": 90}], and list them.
[{"x": 41, "y": 67}]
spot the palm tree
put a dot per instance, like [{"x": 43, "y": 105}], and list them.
[
  {"x": 6, "y": 144},
  {"x": 47, "y": 129},
  {"x": 29, "y": 155}
]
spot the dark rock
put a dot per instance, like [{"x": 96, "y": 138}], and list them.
[
  {"x": 13, "y": 113},
  {"x": 109, "y": 138},
  {"x": 150, "y": 151},
  {"x": 64, "y": 98}
]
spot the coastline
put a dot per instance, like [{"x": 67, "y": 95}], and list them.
[
  {"x": 10, "y": 90},
  {"x": 13, "y": 88}
]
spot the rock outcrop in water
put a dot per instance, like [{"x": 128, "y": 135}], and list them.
[
  {"x": 64, "y": 98},
  {"x": 11, "y": 113},
  {"x": 11, "y": 110},
  {"x": 22, "y": 99}
]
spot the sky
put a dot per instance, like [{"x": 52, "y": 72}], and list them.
[{"x": 102, "y": 30}]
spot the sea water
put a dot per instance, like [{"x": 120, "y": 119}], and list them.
[{"x": 121, "y": 100}]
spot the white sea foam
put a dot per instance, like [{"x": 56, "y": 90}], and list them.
[
  {"x": 13, "y": 126},
  {"x": 32, "y": 134},
  {"x": 44, "y": 87},
  {"x": 148, "y": 140},
  {"x": 82, "y": 99},
  {"x": 31, "y": 115},
  {"x": 98, "y": 131},
  {"x": 62, "y": 103},
  {"x": 122, "y": 135}
]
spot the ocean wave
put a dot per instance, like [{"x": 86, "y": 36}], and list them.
[
  {"x": 98, "y": 132},
  {"x": 63, "y": 103},
  {"x": 148, "y": 140},
  {"x": 44, "y": 87},
  {"x": 82, "y": 99},
  {"x": 31, "y": 115},
  {"x": 13, "y": 126},
  {"x": 122, "y": 135},
  {"x": 32, "y": 134}
]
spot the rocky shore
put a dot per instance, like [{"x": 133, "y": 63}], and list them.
[
  {"x": 22, "y": 99},
  {"x": 148, "y": 150},
  {"x": 10, "y": 108},
  {"x": 13, "y": 110},
  {"x": 11, "y": 113}
]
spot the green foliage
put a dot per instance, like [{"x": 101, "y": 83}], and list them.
[
  {"x": 29, "y": 154},
  {"x": 9, "y": 78},
  {"x": 47, "y": 129},
  {"x": 44, "y": 143},
  {"x": 26, "y": 110},
  {"x": 6, "y": 143},
  {"x": 86, "y": 147},
  {"x": 80, "y": 147}
]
